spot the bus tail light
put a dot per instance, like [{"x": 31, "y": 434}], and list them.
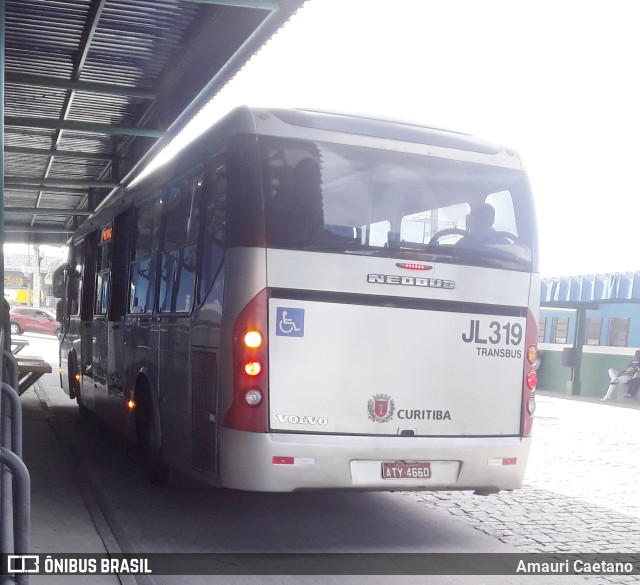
[
  {"x": 253, "y": 368},
  {"x": 249, "y": 408},
  {"x": 253, "y": 339},
  {"x": 530, "y": 378}
]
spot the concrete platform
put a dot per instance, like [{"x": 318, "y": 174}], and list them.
[{"x": 64, "y": 515}]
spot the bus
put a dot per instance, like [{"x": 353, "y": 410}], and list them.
[{"x": 303, "y": 300}]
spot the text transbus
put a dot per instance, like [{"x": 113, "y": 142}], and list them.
[{"x": 304, "y": 300}]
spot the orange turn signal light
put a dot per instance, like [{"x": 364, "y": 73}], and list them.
[{"x": 253, "y": 339}]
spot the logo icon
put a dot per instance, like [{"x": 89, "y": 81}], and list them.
[
  {"x": 290, "y": 322},
  {"x": 381, "y": 408},
  {"x": 18, "y": 564}
]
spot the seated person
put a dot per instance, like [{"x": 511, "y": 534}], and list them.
[
  {"x": 295, "y": 212},
  {"x": 295, "y": 215},
  {"x": 480, "y": 230},
  {"x": 629, "y": 376}
]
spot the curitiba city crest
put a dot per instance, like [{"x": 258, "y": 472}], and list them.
[{"x": 381, "y": 408}]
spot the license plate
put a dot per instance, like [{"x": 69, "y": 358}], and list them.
[{"x": 406, "y": 470}]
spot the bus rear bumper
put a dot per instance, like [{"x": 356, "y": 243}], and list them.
[{"x": 283, "y": 462}]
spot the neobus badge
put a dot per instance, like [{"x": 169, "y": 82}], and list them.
[{"x": 410, "y": 281}]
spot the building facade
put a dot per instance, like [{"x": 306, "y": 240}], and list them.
[
  {"x": 587, "y": 325},
  {"x": 27, "y": 279}
]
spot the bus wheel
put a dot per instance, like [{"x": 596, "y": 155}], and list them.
[
  {"x": 74, "y": 384},
  {"x": 148, "y": 444}
]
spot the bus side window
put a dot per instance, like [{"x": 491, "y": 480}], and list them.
[
  {"x": 143, "y": 278},
  {"x": 214, "y": 224},
  {"x": 187, "y": 281},
  {"x": 103, "y": 270},
  {"x": 148, "y": 228},
  {"x": 178, "y": 269},
  {"x": 102, "y": 293},
  {"x": 142, "y": 284},
  {"x": 75, "y": 276}
]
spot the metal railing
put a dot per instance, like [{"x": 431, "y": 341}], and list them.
[{"x": 15, "y": 482}]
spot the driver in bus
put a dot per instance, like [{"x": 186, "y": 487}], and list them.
[{"x": 480, "y": 230}]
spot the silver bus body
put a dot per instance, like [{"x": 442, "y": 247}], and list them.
[{"x": 392, "y": 355}]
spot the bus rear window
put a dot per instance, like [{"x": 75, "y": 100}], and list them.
[{"x": 341, "y": 198}]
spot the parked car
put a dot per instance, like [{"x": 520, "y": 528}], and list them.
[{"x": 32, "y": 320}]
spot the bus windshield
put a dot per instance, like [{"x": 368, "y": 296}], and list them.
[{"x": 357, "y": 200}]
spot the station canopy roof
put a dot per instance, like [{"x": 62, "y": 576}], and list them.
[
  {"x": 586, "y": 290},
  {"x": 92, "y": 85}
]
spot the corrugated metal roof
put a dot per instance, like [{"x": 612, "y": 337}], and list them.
[
  {"x": 613, "y": 286},
  {"x": 91, "y": 84}
]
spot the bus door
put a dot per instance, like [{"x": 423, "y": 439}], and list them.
[
  {"x": 142, "y": 322},
  {"x": 88, "y": 303},
  {"x": 110, "y": 353},
  {"x": 97, "y": 373},
  {"x": 207, "y": 320},
  {"x": 95, "y": 330},
  {"x": 176, "y": 300}
]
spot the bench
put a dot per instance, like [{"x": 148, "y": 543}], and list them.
[
  {"x": 18, "y": 343},
  {"x": 30, "y": 370}
]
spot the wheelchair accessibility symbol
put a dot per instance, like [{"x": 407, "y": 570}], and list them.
[{"x": 290, "y": 322}]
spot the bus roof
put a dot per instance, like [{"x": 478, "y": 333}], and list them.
[{"x": 287, "y": 123}]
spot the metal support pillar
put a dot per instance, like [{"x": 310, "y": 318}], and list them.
[
  {"x": 575, "y": 383},
  {"x": 2, "y": 54}
]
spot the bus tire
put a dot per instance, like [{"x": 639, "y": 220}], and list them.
[
  {"x": 74, "y": 385},
  {"x": 147, "y": 435}
]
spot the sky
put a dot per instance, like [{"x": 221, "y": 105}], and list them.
[{"x": 555, "y": 80}]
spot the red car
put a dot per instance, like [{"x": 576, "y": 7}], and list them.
[{"x": 32, "y": 320}]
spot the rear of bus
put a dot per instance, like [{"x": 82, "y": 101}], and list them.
[{"x": 388, "y": 348}]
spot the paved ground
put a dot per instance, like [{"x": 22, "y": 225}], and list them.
[{"x": 581, "y": 490}]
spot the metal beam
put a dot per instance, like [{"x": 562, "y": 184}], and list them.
[
  {"x": 47, "y": 211},
  {"x": 90, "y": 26},
  {"x": 61, "y": 153},
  {"x": 73, "y": 125},
  {"x": 32, "y": 188},
  {"x": 37, "y": 229},
  {"x": 76, "y": 85},
  {"x": 38, "y": 238},
  {"x": 55, "y": 182}
]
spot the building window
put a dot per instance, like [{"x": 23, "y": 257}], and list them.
[
  {"x": 560, "y": 330},
  {"x": 619, "y": 331},
  {"x": 593, "y": 330},
  {"x": 542, "y": 327}
]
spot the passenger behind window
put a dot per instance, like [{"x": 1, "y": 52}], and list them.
[
  {"x": 296, "y": 210},
  {"x": 136, "y": 306},
  {"x": 296, "y": 213}
]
